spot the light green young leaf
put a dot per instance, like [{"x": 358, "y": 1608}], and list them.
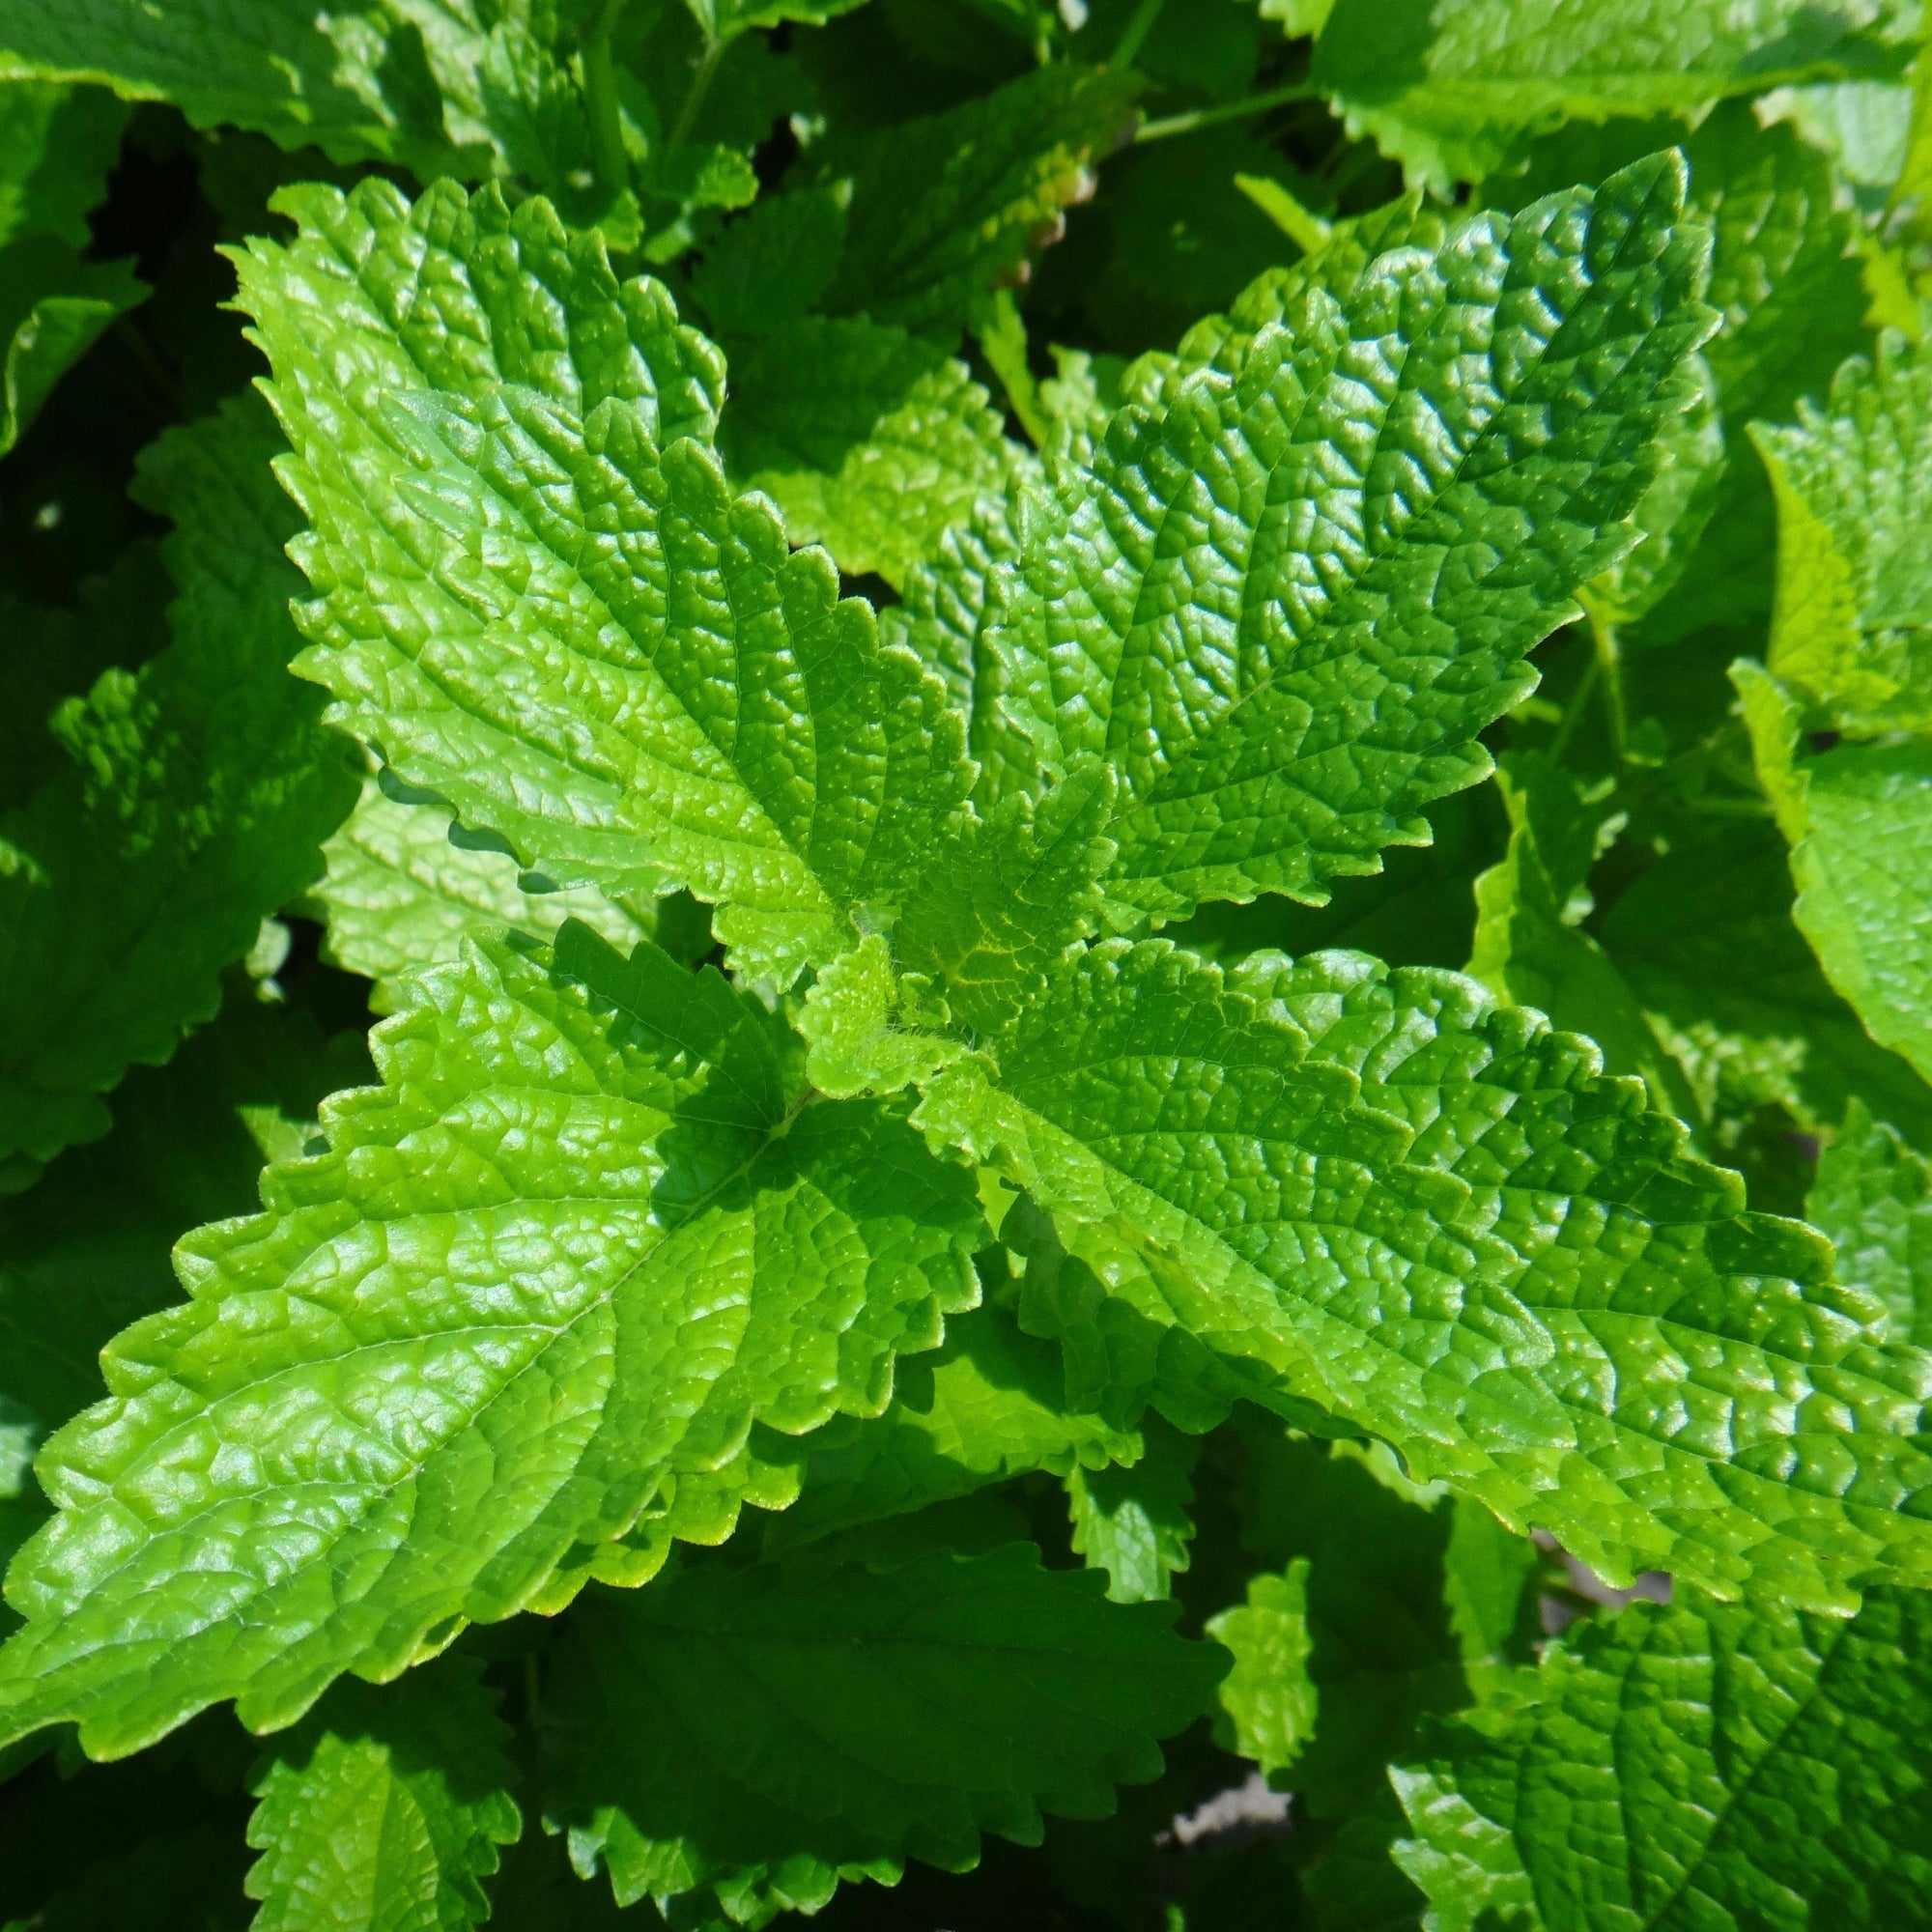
[
  {"x": 1133, "y": 1522},
  {"x": 1852, "y": 647},
  {"x": 1268, "y": 1704},
  {"x": 693, "y": 705},
  {"x": 1705, "y": 939},
  {"x": 944, "y": 207},
  {"x": 871, "y": 441},
  {"x": 728, "y": 1734},
  {"x": 991, "y": 1403},
  {"x": 578, "y": 1242},
  {"x": 1450, "y": 89},
  {"x": 1375, "y": 1193},
  {"x": 1873, "y": 1197},
  {"x": 400, "y": 893},
  {"x": 1288, "y": 596},
  {"x": 1696, "y": 1766},
  {"x": 199, "y": 792},
  {"x": 384, "y": 1811},
  {"x": 53, "y": 307},
  {"x": 973, "y": 943},
  {"x": 1859, "y": 821}
]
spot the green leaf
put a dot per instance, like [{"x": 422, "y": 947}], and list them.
[
  {"x": 1267, "y": 1701},
  {"x": 1367, "y": 1614},
  {"x": 946, "y": 206},
  {"x": 356, "y": 83},
  {"x": 726, "y": 19},
  {"x": 1785, "y": 283},
  {"x": 991, "y": 1403},
  {"x": 1531, "y": 952},
  {"x": 1375, "y": 1193},
  {"x": 1690, "y": 1766},
  {"x": 1873, "y": 1197},
  {"x": 724, "y": 1732},
  {"x": 1286, "y": 597},
  {"x": 385, "y": 1810},
  {"x": 1450, "y": 89},
  {"x": 401, "y": 892},
  {"x": 951, "y": 609},
  {"x": 85, "y": 1251},
  {"x": 976, "y": 941},
  {"x": 1133, "y": 1522},
  {"x": 194, "y": 802},
  {"x": 871, "y": 441},
  {"x": 774, "y": 264},
  {"x": 1706, "y": 941},
  {"x": 56, "y": 147},
  {"x": 1859, "y": 821},
  {"x": 695, "y": 705},
  {"x": 582, "y": 1237},
  {"x": 53, "y": 307},
  {"x": 1851, "y": 629}
]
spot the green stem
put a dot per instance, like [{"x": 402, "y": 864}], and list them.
[
  {"x": 694, "y": 100},
  {"x": 600, "y": 102},
  {"x": 1135, "y": 36},
  {"x": 1232, "y": 110},
  {"x": 1573, "y": 712},
  {"x": 1604, "y": 637}
]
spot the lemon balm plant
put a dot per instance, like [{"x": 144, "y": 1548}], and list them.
[{"x": 1014, "y": 918}]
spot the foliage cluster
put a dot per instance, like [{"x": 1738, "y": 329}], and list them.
[{"x": 930, "y": 925}]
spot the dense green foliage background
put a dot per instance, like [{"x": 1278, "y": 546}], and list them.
[{"x": 790, "y": 794}]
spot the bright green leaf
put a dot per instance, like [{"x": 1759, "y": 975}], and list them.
[
  {"x": 385, "y": 1810},
  {"x": 1375, "y": 1193},
  {"x": 695, "y": 706},
  {"x": 400, "y": 893},
  {"x": 1133, "y": 1522},
  {"x": 1873, "y": 1197},
  {"x": 1268, "y": 1700},
  {"x": 1859, "y": 821},
  {"x": 1450, "y": 88},
  {"x": 580, "y": 1239},
  {"x": 357, "y": 83},
  {"x": 1288, "y": 597}
]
